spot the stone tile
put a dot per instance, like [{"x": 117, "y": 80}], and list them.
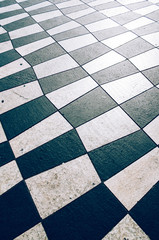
[
  {"x": 107, "y": 5},
  {"x": 80, "y": 13},
  {"x": 152, "y": 74},
  {"x": 154, "y": 15},
  {"x": 39, "y": 134},
  {"x": 70, "y": 3},
  {"x": 147, "y": 10},
  {"x": 73, "y": 9},
  {"x": 91, "y": 18},
  {"x": 87, "y": 107},
  {"x": 104, "y": 129},
  {"x": 13, "y": 18},
  {"x": 101, "y": 25},
  {"x": 143, "y": 108},
  {"x": 131, "y": 184},
  {"x": 2, "y": 134},
  {"x": 2, "y": 30},
  {"x": 9, "y": 176},
  {"x": 13, "y": 67},
  {"x": 110, "y": 32},
  {"x": 115, "y": 11},
  {"x": 15, "y": 97},
  {"x": 126, "y": 2},
  {"x": 8, "y": 57},
  {"x": 60, "y": 64},
  {"x": 138, "y": 23},
  {"x": 125, "y": 88},
  {"x": 36, "y": 6},
  {"x": 67, "y": 94},
  {"x": 46, "y": 15},
  {"x": 10, "y": 8},
  {"x": 126, "y": 17},
  {"x": 137, "y": 5},
  {"x": 5, "y": 46},
  {"x": 152, "y": 38},
  {"x": 150, "y": 28},
  {"x": 6, "y": 153},
  {"x": 127, "y": 228},
  {"x": 146, "y": 60},
  {"x": 98, "y": 2},
  {"x": 152, "y": 129},
  {"x": 64, "y": 27},
  {"x": 69, "y": 181},
  {"x": 16, "y": 25}
]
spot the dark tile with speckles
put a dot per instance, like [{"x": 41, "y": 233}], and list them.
[
  {"x": 6, "y": 154},
  {"x": 8, "y": 57},
  {"x": 152, "y": 74}
]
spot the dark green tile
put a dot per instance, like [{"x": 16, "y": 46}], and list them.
[
  {"x": 11, "y": 13},
  {"x": 8, "y": 57},
  {"x": 119, "y": 70},
  {"x": 114, "y": 157},
  {"x": 43, "y": 10},
  {"x": 152, "y": 74},
  {"x": 47, "y": 53},
  {"x": 28, "y": 114},
  {"x": 62, "y": 79},
  {"x": 29, "y": 3},
  {"x": 24, "y": 22},
  {"x": 4, "y": 37},
  {"x": 144, "y": 107},
  {"x": 88, "y": 53},
  {"x": 17, "y": 79},
  {"x": 87, "y": 107},
  {"x": 7, "y": 3}
]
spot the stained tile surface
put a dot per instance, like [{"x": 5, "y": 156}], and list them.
[{"x": 79, "y": 82}]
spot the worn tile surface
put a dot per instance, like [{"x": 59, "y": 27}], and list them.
[{"x": 79, "y": 123}]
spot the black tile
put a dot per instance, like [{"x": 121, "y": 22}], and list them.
[
  {"x": 146, "y": 213},
  {"x": 87, "y": 107},
  {"x": 144, "y": 107},
  {"x": 61, "y": 149},
  {"x": 18, "y": 212},
  {"x": 17, "y": 79},
  {"x": 47, "y": 53},
  {"x": 91, "y": 216},
  {"x": 88, "y": 53},
  {"x": 112, "y": 158},
  {"x": 18, "y": 42},
  {"x": 25, "y": 116},
  {"x": 152, "y": 74},
  {"x": 6, "y": 154},
  {"x": 8, "y": 57},
  {"x": 54, "y": 22},
  {"x": 24, "y": 22},
  {"x": 59, "y": 80},
  {"x": 115, "y": 72}
]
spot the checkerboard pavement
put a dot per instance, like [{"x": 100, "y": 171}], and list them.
[{"x": 79, "y": 123}]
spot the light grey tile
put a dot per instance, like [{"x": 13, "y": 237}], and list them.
[
  {"x": 13, "y": 18},
  {"x": 101, "y": 25},
  {"x": 98, "y": 2},
  {"x": 152, "y": 129},
  {"x": 10, "y": 8},
  {"x": 70, "y": 3},
  {"x": 114, "y": 11},
  {"x": 63, "y": 27},
  {"x": 81, "y": 13},
  {"x": 146, "y": 10},
  {"x": 140, "y": 22},
  {"x": 2, "y": 134},
  {"x": 37, "y": 6},
  {"x": 5, "y": 46},
  {"x": 46, "y": 15},
  {"x": 152, "y": 38}
]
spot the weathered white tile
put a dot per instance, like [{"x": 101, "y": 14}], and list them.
[
  {"x": 5, "y": 46},
  {"x": 67, "y": 94},
  {"x": 103, "y": 61},
  {"x": 101, "y": 25},
  {"x": 66, "y": 183},
  {"x": 9, "y": 176},
  {"x": 126, "y": 2},
  {"x": 77, "y": 42},
  {"x": 146, "y": 10},
  {"x": 55, "y": 65},
  {"x": 42, "y": 132},
  {"x": 13, "y": 67},
  {"x": 98, "y": 2},
  {"x": 152, "y": 129},
  {"x": 63, "y": 27},
  {"x": 127, "y": 228},
  {"x": 70, "y": 3},
  {"x": 37, "y": 233},
  {"x": 17, "y": 96},
  {"x": 2, "y": 30},
  {"x": 25, "y": 31},
  {"x": 154, "y": 1},
  {"x": 21, "y": 1},
  {"x": 152, "y": 38},
  {"x": 127, "y": 87},
  {"x": 81, "y": 13},
  {"x": 132, "y": 183},
  {"x": 2, "y": 134},
  {"x": 140, "y": 22},
  {"x": 146, "y": 60},
  {"x": 106, "y": 128},
  {"x": 46, "y": 16},
  {"x": 34, "y": 46},
  {"x": 37, "y": 6},
  {"x": 120, "y": 39},
  {"x": 13, "y": 18},
  {"x": 114, "y": 11},
  {"x": 10, "y": 8}
]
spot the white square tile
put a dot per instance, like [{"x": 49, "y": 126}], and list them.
[
  {"x": 5, "y": 46},
  {"x": 106, "y": 128},
  {"x": 10, "y": 8},
  {"x": 101, "y": 25},
  {"x": 152, "y": 129},
  {"x": 2, "y": 134},
  {"x": 25, "y": 31},
  {"x": 152, "y": 38},
  {"x": 34, "y": 46},
  {"x": 146, "y": 60},
  {"x": 9, "y": 176},
  {"x": 17, "y": 96},
  {"x": 72, "y": 44},
  {"x": 67, "y": 94},
  {"x": 119, "y": 40},
  {"x": 81, "y": 13},
  {"x": 13, "y": 67},
  {"x": 66, "y": 183},
  {"x": 127, "y": 87},
  {"x": 103, "y": 61},
  {"x": 13, "y": 18},
  {"x": 44, "y": 131},
  {"x": 140, "y": 22},
  {"x": 114, "y": 11},
  {"x": 63, "y": 27},
  {"x": 146, "y": 10},
  {"x": 131, "y": 184},
  {"x": 37, "y": 6},
  {"x": 46, "y": 16},
  {"x": 70, "y": 3},
  {"x": 55, "y": 65}
]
